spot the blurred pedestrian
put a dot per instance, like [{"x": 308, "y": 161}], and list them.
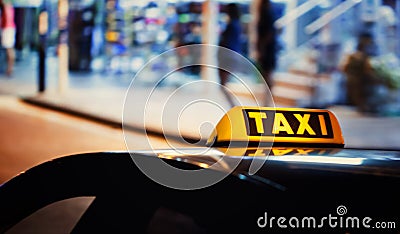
[
  {"x": 8, "y": 29},
  {"x": 362, "y": 81},
  {"x": 266, "y": 44},
  {"x": 230, "y": 39}
]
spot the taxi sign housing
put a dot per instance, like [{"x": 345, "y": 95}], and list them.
[{"x": 279, "y": 126}]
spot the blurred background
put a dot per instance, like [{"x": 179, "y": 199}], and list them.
[{"x": 79, "y": 57}]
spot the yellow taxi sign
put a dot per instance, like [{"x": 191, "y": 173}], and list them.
[{"x": 280, "y": 126}]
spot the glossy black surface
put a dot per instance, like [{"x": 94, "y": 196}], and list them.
[{"x": 128, "y": 201}]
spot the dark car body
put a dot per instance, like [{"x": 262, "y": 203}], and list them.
[{"x": 300, "y": 183}]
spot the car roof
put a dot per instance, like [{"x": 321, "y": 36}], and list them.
[{"x": 377, "y": 162}]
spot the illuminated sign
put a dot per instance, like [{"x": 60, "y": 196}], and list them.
[
  {"x": 278, "y": 126},
  {"x": 287, "y": 123}
]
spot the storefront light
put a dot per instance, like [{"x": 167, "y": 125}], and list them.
[
  {"x": 136, "y": 64},
  {"x": 137, "y": 3},
  {"x": 153, "y": 12},
  {"x": 162, "y": 36},
  {"x": 24, "y": 3}
]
